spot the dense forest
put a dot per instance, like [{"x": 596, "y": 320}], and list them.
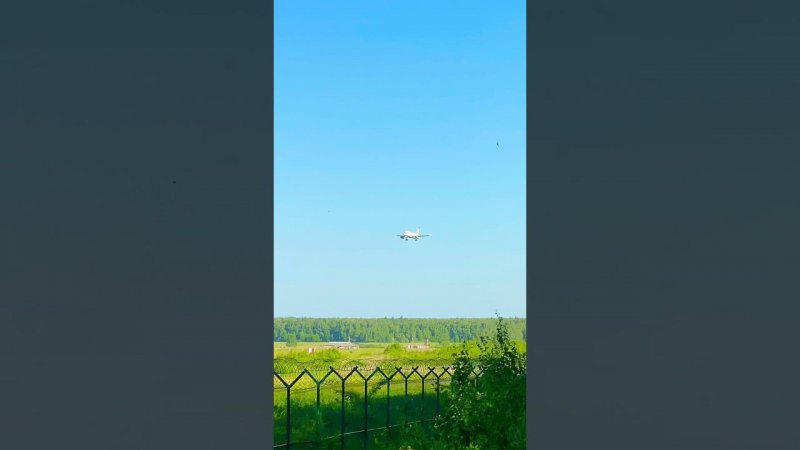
[{"x": 391, "y": 329}]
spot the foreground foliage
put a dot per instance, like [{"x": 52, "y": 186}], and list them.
[{"x": 487, "y": 412}]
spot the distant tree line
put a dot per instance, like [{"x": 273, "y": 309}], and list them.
[{"x": 291, "y": 329}]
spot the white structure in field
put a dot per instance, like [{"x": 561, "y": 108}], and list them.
[
  {"x": 413, "y": 346},
  {"x": 343, "y": 345}
]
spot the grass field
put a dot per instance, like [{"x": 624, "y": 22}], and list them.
[
  {"x": 364, "y": 349},
  {"x": 394, "y": 402},
  {"x": 292, "y": 360},
  {"x": 367, "y": 355}
]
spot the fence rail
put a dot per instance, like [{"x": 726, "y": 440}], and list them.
[{"x": 343, "y": 376}]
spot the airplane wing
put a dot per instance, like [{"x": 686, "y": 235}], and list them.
[{"x": 424, "y": 235}]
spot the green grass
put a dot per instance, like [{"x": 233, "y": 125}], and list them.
[
  {"x": 290, "y": 360},
  {"x": 310, "y": 422}
]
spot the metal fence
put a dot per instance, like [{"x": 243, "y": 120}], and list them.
[{"x": 343, "y": 377}]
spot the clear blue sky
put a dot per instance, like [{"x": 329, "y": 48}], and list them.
[{"x": 387, "y": 114}]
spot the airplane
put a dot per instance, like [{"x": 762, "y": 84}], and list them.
[{"x": 411, "y": 235}]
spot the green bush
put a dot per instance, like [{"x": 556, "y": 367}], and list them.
[
  {"x": 412, "y": 437},
  {"x": 330, "y": 355},
  {"x": 394, "y": 350},
  {"x": 487, "y": 412}
]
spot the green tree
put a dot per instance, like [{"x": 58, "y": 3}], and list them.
[
  {"x": 291, "y": 340},
  {"x": 384, "y": 329},
  {"x": 487, "y": 413}
]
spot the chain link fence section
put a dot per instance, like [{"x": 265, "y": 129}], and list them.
[{"x": 339, "y": 404}]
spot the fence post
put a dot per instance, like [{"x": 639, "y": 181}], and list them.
[
  {"x": 289, "y": 405},
  {"x": 288, "y": 409},
  {"x": 405, "y": 396},
  {"x": 445, "y": 371},
  {"x": 288, "y": 417},
  {"x": 344, "y": 379},
  {"x": 389, "y": 396},
  {"x": 477, "y": 374},
  {"x": 366, "y": 413},
  {"x": 388, "y": 399},
  {"x": 437, "y": 388},
  {"x": 332, "y": 370},
  {"x": 423, "y": 395},
  {"x": 319, "y": 420},
  {"x": 342, "y": 414},
  {"x": 424, "y": 379},
  {"x": 318, "y": 417}
]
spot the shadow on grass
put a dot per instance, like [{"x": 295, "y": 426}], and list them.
[{"x": 389, "y": 405}]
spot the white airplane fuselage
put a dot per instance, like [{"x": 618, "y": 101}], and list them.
[{"x": 411, "y": 235}]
